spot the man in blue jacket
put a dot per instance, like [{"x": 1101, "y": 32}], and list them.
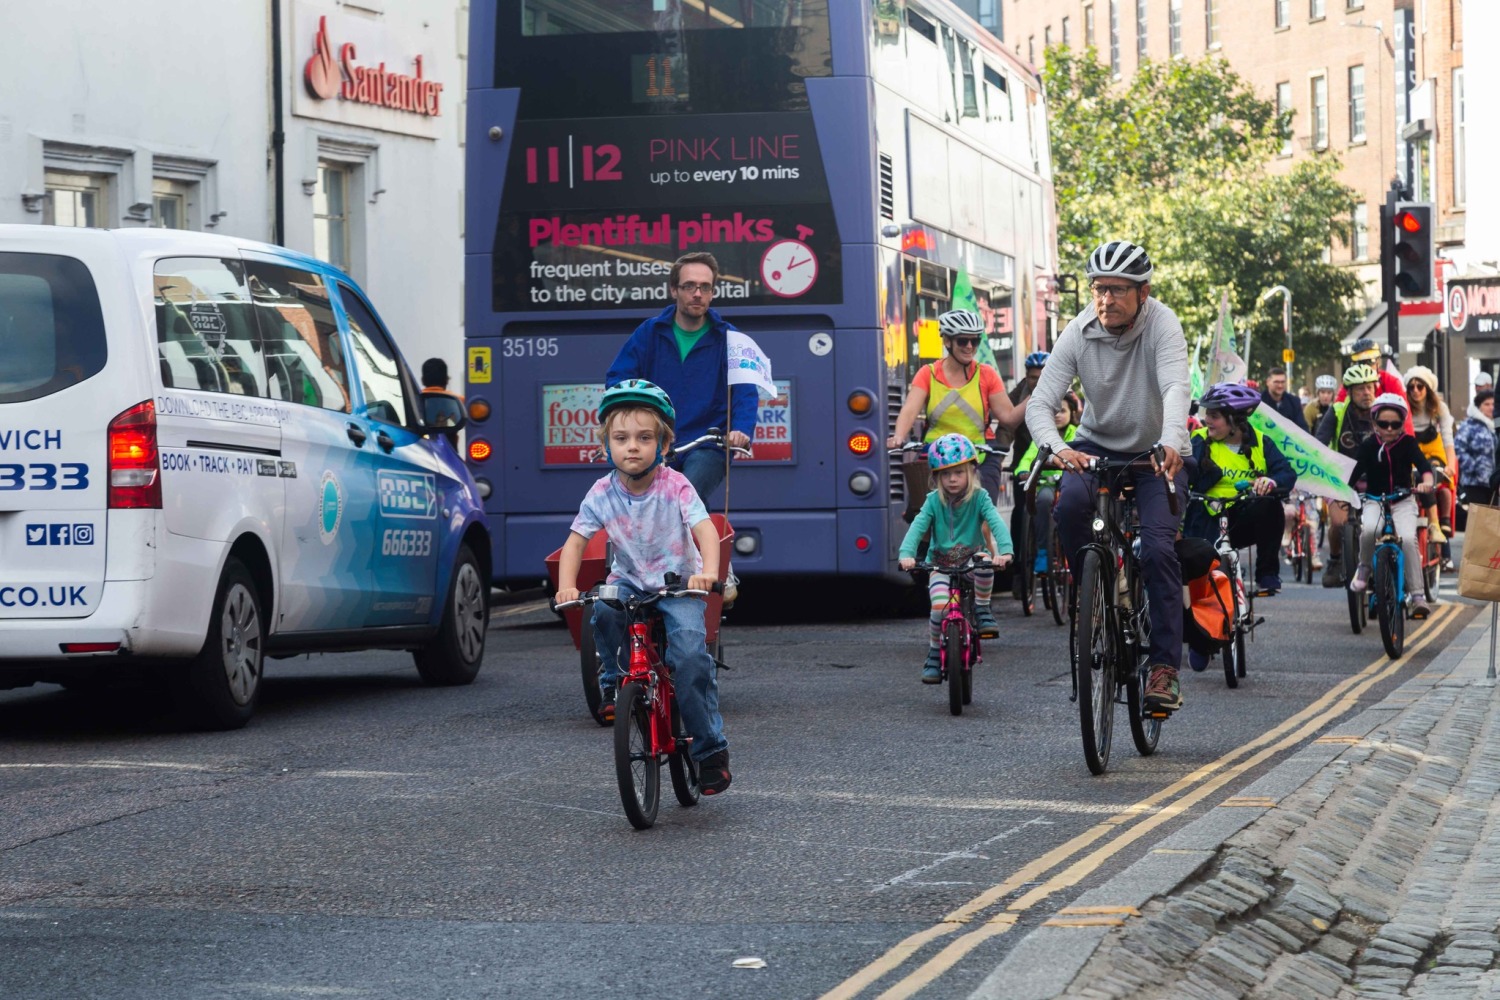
[{"x": 684, "y": 349}]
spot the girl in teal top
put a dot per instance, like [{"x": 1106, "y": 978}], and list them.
[
  {"x": 955, "y": 515},
  {"x": 1046, "y": 483}
]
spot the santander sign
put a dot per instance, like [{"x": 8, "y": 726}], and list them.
[{"x": 374, "y": 85}]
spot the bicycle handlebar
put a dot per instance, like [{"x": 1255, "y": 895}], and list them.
[
  {"x": 1217, "y": 505},
  {"x": 967, "y": 568},
  {"x": 714, "y": 436}
]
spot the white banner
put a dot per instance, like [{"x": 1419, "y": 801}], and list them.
[
  {"x": 748, "y": 365},
  {"x": 1320, "y": 470}
]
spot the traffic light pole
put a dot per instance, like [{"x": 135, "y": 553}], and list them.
[{"x": 1388, "y": 269}]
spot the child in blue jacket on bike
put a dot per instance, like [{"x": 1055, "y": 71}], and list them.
[
  {"x": 657, "y": 525},
  {"x": 955, "y": 515}
]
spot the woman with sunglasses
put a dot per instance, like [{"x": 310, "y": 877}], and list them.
[
  {"x": 1432, "y": 425},
  {"x": 1390, "y": 460},
  {"x": 958, "y": 394}
]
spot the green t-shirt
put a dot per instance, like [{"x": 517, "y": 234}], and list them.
[{"x": 686, "y": 339}]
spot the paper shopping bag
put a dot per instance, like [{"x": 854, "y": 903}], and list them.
[{"x": 1479, "y": 572}]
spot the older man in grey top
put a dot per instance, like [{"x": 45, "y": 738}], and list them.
[{"x": 1128, "y": 351}]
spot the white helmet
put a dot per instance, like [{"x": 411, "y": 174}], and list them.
[
  {"x": 960, "y": 321},
  {"x": 1120, "y": 259},
  {"x": 1390, "y": 401},
  {"x": 1326, "y": 382}
]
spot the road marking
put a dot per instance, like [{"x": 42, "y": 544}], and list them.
[
  {"x": 115, "y": 765},
  {"x": 969, "y": 852},
  {"x": 1152, "y": 811}
]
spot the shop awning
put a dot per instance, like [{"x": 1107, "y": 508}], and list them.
[{"x": 1413, "y": 330}]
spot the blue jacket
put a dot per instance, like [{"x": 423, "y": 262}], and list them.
[
  {"x": 698, "y": 386},
  {"x": 1289, "y": 407}
]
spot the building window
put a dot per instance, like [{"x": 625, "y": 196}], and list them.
[
  {"x": 1088, "y": 26},
  {"x": 1140, "y": 30},
  {"x": 170, "y": 203},
  {"x": 75, "y": 199},
  {"x": 331, "y": 214},
  {"x": 1284, "y": 107},
  {"x": 1460, "y": 142},
  {"x": 1283, "y": 13},
  {"x": 1317, "y": 9},
  {"x": 1356, "y": 104},
  {"x": 1031, "y": 49},
  {"x": 1174, "y": 26},
  {"x": 1114, "y": 37},
  {"x": 1354, "y": 4},
  {"x": 1067, "y": 33},
  {"x": 1360, "y": 226},
  {"x": 1320, "y": 112},
  {"x": 1211, "y": 23}
]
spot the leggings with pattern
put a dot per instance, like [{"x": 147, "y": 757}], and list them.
[{"x": 938, "y": 586}]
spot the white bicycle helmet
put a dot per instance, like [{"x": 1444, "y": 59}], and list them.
[
  {"x": 957, "y": 322},
  {"x": 1120, "y": 259},
  {"x": 1326, "y": 382}
]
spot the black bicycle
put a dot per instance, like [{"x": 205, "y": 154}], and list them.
[{"x": 1112, "y": 623}]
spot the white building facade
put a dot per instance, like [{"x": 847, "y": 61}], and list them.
[{"x": 172, "y": 113}]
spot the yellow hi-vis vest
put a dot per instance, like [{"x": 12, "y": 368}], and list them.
[
  {"x": 1236, "y": 465},
  {"x": 956, "y": 411}
]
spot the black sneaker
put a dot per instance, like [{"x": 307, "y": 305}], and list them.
[
  {"x": 713, "y": 773},
  {"x": 607, "y": 704},
  {"x": 1163, "y": 693}
]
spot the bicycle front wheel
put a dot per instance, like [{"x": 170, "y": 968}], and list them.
[
  {"x": 1388, "y": 604},
  {"x": 1093, "y": 663},
  {"x": 1232, "y": 653},
  {"x": 953, "y": 663},
  {"x": 1432, "y": 558},
  {"x": 1309, "y": 547},
  {"x": 636, "y": 767}
]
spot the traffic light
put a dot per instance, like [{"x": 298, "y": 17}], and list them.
[{"x": 1411, "y": 239}]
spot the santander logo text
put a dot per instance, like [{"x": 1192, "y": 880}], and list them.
[{"x": 374, "y": 85}]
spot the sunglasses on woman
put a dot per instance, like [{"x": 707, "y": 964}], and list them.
[
  {"x": 966, "y": 341},
  {"x": 1389, "y": 425}
]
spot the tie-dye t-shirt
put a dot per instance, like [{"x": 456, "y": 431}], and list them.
[{"x": 652, "y": 534}]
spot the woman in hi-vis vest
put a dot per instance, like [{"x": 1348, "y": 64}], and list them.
[{"x": 958, "y": 395}]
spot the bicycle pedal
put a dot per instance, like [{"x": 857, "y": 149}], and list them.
[{"x": 1156, "y": 714}]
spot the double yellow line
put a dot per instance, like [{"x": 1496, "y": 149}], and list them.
[{"x": 1129, "y": 825}]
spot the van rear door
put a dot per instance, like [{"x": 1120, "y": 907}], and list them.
[{"x": 53, "y": 438}]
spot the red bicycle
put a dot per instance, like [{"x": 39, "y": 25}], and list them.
[{"x": 648, "y": 726}]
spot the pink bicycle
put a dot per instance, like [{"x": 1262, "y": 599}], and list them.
[{"x": 958, "y": 645}]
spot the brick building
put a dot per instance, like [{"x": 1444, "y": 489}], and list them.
[{"x": 1379, "y": 83}]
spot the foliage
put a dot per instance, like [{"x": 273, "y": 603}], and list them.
[{"x": 1178, "y": 159}]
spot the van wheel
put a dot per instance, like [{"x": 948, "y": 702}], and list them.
[
  {"x": 454, "y": 654},
  {"x": 218, "y": 688}
]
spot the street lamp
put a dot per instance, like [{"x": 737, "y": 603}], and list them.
[{"x": 1286, "y": 328}]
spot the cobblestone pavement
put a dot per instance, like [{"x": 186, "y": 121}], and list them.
[{"x": 1366, "y": 866}]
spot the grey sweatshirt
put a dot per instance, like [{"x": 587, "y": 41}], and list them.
[{"x": 1135, "y": 385}]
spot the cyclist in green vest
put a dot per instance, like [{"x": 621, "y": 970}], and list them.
[
  {"x": 1346, "y": 424},
  {"x": 959, "y": 395}
]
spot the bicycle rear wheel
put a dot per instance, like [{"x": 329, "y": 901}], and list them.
[
  {"x": 1093, "y": 663},
  {"x": 1357, "y": 612},
  {"x": 1432, "y": 558},
  {"x": 636, "y": 768},
  {"x": 1057, "y": 572},
  {"x": 1232, "y": 652},
  {"x": 1309, "y": 547},
  {"x": 1145, "y": 732},
  {"x": 588, "y": 664},
  {"x": 684, "y": 769},
  {"x": 953, "y": 665},
  {"x": 1388, "y": 604}
]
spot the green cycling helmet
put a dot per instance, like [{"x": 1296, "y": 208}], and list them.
[
  {"x": 638, "y": 392},
  {"x": 950, "y": 450},
  {"x": 1360, "y": 375}
]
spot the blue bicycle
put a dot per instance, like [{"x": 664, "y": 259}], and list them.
[{"x": 1387, "y": 598}]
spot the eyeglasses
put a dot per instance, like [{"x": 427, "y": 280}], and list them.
[
  {"x": 1389, "y": 425},
  {"x": 1105, "y": 291},
  {"x": 966, "y": 341},
  {"x": 694, "y": 287}
]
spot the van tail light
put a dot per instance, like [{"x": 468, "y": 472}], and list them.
[{"x": 134, "y": 463}]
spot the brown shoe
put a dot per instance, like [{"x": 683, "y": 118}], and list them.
[{"x": 1162, "y": 690}]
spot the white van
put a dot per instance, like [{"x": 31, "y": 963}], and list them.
[{"x": 211, "y": 453}]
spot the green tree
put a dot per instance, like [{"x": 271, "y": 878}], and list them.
[{"x": 1177, "y": 160}]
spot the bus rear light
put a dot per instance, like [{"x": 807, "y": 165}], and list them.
[
  {"x": 861, "y": 442},
  {"x": 862, "y": 543},
  {"x": 861, "y": 402},
  {"x": 134, "y": 462},
  {"x": 484, "y": 488},
  {"x": 861, "y": 483},
  {"x": 89, "y": 647},
  {"x": 479, "y": 410},
  {"x": 479, "y": 451}
]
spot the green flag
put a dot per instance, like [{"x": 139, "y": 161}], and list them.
[
  {"x": 963, "y": 298},
  {"x": 1320, "y": 470}
]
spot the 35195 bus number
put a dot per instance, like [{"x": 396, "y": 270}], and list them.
[{"x": 529, "y": 347}]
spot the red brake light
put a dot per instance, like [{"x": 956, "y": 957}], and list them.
[
  {"x": 134, "y": 463},
  {"x": 860, "y": 442},
  {"x": 479, "y": 450}
]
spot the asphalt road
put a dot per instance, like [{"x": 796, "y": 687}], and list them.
[{"x": 369, "y": 837}]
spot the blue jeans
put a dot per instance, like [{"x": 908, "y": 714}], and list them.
[
  {"x": 704, "y": 468},
  {"x": 693, "y": 670},
  {"x": 1159, "y": 565}
]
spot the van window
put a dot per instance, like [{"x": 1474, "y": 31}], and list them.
[
  {"x": 51, "y": 326},
  {"x": 375, "y": 360},
  {"x": 206, "y": 336},
  {"x": 304, "y": 357}
]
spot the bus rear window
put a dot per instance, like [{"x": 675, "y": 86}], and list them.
[
  {"x": 51, "y": 326},
  {"x": 604, "y": 17}
]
